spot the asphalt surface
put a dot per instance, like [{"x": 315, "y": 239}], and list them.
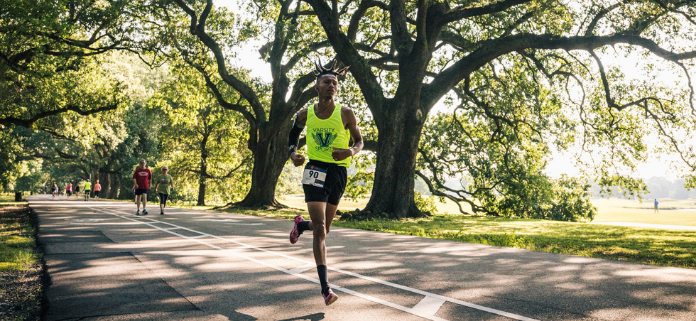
[{"x": 105, "y": 263}]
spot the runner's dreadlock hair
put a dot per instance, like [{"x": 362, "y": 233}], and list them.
[{"x": 319, "y": 70}]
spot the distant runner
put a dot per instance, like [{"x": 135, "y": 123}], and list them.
[
  {"x": 45, "y": 189},
  {"x": 55, "y": 190},
  {"x": 68, "y": 189},
  {"x": 88, "y": 189},
  {"x": 97, "y": 190},
  {"x": 77, "y": 189},
  {"x": 141, "y": 181},
  {"x": 656, "y": 209},
  {"x": 164, "y": 183},
  {"x": 329, "y": 129}
]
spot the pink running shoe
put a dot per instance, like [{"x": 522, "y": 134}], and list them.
[
  {"x": 330, "y": 297},
  {"x": 295, "y": 233}
]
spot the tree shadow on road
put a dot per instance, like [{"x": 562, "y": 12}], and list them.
[{"x": 310, "y": 317}]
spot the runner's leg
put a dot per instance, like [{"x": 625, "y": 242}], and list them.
[
  {"x": 317, "y": 213},
  {"x": 144, "y": 200},
  {"x": 318, "y": 226},
  {"x": 330, "y": 214},
  {"x": 163, "y": 201}
]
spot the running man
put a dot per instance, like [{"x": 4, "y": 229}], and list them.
[
  {"x": 329, "y": 129},
  {"x": 657, "y": 211},
  {"x": 88, "y": 189},
  {"x": 164, "y": 183},
  {"x": 97, "y": 190},
  {"x": 141, "y": 181}
]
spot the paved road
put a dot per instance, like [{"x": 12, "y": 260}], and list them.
[{"x": 107, "y": 264}]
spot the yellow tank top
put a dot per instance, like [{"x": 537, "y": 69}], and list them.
[{"x": 325, "y": 134}]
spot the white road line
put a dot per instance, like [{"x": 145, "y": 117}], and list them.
[
  {"x": 200, "y": 236},
  {"x": 429, "y": 305},
  {"x": 303, "y": 268},
  {"x": 336, "y": 287},
  {"x": 333, "y": 286}
]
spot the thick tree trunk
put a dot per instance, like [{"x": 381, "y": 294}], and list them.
[
  {"x": 399, "y": 135},
  {"x": 104, "y": 182},
  {"x": 270, "y": 155},
  {"x": 203, "y": 174},
  {"x": 114, "y": 185},
  {"x": 201, "y": 193}
]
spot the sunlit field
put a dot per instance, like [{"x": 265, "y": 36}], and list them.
[
  {"x": 7, "y": 199},
  {"x": 672, "y": 212},
  {"x": 634, "y": 244}
]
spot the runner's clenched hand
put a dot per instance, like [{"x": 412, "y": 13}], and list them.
[
  {"x": 297, "y": 159},
  {"x": 340, "y": 154}
]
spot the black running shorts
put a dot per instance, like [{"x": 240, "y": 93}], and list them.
[
  {"x": 96, "y": 193},
  {"x": 334, "y": 184},
  {"x": 141, "y": 191}
]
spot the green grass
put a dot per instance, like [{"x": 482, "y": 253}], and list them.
[
  {"x": 16, "y": 237},
  {"x": 608, "y": 210},
  {"x": 7, "y": 199},
  {"x": 633, "y": 211},
  {"x": 21, "y": 289},
  {"x": 642, "y": 245},
  {"x": 16, "y": 240}
]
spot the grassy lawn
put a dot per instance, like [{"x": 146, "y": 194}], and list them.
[
  {"x": 7, "y": 199},
  {"x": 20, "y": 267},
  {"x": 672, "y": 212},
  {"x": 16, "y": 240},
  {"x": 642, "y": 245}
]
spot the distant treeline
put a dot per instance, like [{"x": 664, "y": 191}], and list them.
[{"x": 658, "y": 187}]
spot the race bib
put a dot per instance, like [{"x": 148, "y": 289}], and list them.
[{"x": 314, "y": 176}]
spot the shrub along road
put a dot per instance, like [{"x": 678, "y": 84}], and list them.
[{"x": 106, "y": 263}]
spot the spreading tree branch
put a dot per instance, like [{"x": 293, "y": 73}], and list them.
[{"x": 7, "y": 121}]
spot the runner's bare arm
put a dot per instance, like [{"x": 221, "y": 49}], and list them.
[
  {"x": 350, "y": 123},
  {"x": 301, "y": 117},
  {"x": 298, "y": 125}
]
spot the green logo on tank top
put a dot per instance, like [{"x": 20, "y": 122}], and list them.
[{"x": 324, "y": 137}]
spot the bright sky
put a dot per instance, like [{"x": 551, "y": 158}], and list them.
[{"x": 248, "y": 57}]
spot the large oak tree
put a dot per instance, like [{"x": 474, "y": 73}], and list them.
[
  {"x": 268, "y": 110},
  {"x": 433, "y": 48}
]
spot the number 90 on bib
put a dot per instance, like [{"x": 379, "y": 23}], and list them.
[{"x": 314, "y": 176}]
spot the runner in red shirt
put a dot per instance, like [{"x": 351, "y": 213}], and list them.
[{"x": 141, "y": 180}]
